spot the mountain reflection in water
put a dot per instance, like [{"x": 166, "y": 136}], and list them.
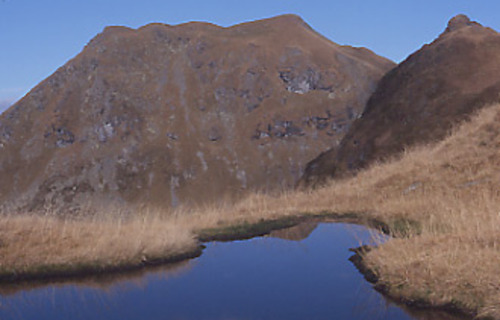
[{"x": 260, "y": 278}]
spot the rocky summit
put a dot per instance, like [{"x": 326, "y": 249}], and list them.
[
  {"x": 166, "y": 115},
  {"x": 419, "y": 101}
]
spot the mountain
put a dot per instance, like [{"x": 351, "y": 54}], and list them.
[
  {"x": 418, "y": 101},
  {"x": 163, "y": 115}
]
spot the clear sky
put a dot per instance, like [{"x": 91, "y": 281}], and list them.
[{"x": 38, "y": 36}]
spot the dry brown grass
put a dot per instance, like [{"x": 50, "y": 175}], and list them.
[
  {"x": 451, "y": 190},
  {"x": 33, "y": 244}
]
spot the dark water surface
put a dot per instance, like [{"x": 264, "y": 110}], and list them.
[{"x": 301, "y": 273}]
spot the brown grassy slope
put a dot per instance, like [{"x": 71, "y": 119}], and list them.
[
  {"x": 419, "y": 100},
  {"x": 452, "y": 190}
]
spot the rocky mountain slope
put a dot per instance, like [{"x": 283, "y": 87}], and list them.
[
  {"x": 177, "y": 115},
  {"x": 418, "y": 101}
]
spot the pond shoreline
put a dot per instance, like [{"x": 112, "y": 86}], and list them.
[
  {"x": 243, "y": 231},
  {"x": 358, "y": 261},
  {"x": 47, "y": 274},
  {"x": 236, "y": 232}
]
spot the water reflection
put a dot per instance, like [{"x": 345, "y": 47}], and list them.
[
  {"x": 295, "y": 233},
  {"x": 261, "y": 278},
  {"x": 102, "y": 282}
]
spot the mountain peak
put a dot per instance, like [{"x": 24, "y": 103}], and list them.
[
  {"x": 458, "y": 22},
  {"x": 281, "y": 21},
  {"x": 289, "y": 17}
]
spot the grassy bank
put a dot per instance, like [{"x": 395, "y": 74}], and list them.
[
  {"x": 33, "y": 247},
  {"x": 452, "y": 189},
  {"x": 441, "y": 202}
]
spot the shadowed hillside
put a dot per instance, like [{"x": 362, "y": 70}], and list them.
[
  {"x": 417, "y": 102},
  {"x": 188, "y": 114}
]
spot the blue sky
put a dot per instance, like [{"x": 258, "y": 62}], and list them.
[{"x": 38, "y": 36}]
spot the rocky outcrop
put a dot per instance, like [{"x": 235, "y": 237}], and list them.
[
  {"x": 420, "y": 100},
  {"x": 176, "y": 115}
]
